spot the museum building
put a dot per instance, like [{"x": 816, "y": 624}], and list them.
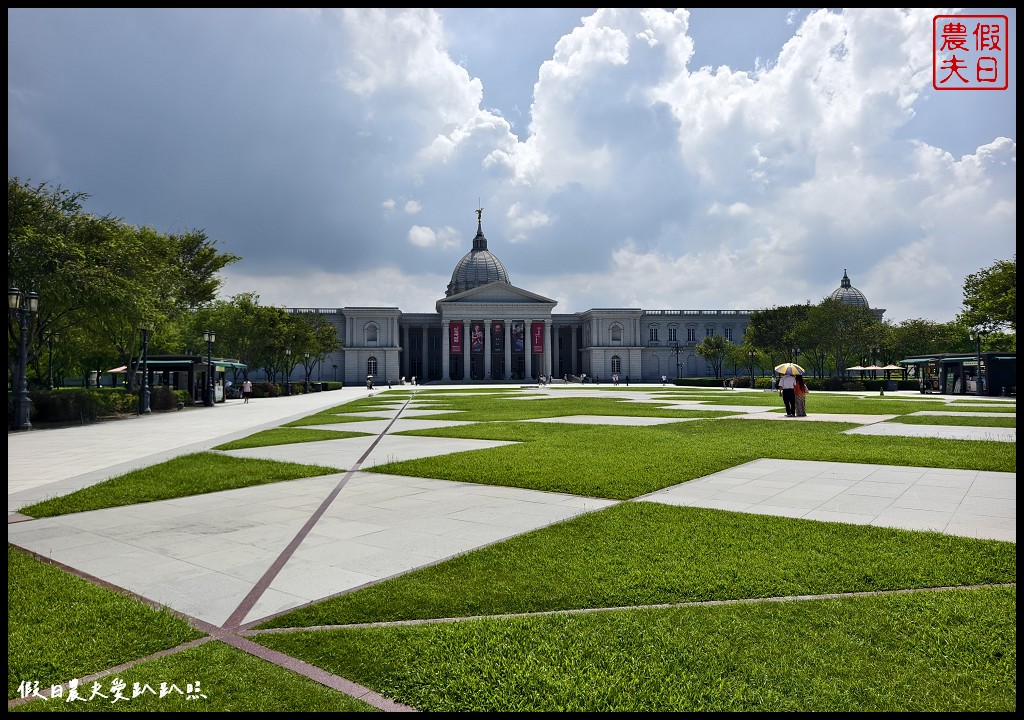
[{"x": 487, "y": 329}]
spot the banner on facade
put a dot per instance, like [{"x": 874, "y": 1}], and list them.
[
  {"x": 476, "y": 338},
  {"x": 518, "y": 337},
  {"x": 497, "y": 337},
  {"x": 455, "y": 337},
  {"x": 537, "y": 333}
]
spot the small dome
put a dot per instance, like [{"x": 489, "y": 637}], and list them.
[
  {"x": 478, "y": 267},
  {"x": 848, "y": 294}
]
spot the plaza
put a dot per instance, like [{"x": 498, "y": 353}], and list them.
[{"x": 230, "y": 560}]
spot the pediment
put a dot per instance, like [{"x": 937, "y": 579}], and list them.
[{"x": 496, "y": 293}]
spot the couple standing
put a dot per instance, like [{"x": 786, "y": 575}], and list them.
[{"x": 794, "y": 395}]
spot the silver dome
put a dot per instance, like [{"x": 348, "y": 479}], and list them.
[
  {"x": 477, "y": 267},
  {"x": 848, "y": 294}
]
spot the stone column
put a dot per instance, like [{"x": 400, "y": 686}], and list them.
[
  {"x": 423, "y": 365},
  {"x": 573, "y": 370},
  {"x": 508, "y": 349},
  {"x": 467, "y": 338},
  {"x": 445, "y": 364},
  {"x": 547, "y": 347}
]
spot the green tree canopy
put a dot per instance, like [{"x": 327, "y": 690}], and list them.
[{"x": 990, "y": 297}]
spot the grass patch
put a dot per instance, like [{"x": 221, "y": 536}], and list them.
[
  {"x": 228, "y": 680},
  {"x": 194, "y": 474},
  {"x": 923, "y": 652},
  {"x": 641, "y": 553},
  {"x": 1008, "y": 422},
  {"x": 478, "y": 410},
  {"x": 61, "y": 627},
  {"x": 286, "y": 436},
  {"x": 620, "y": 462}
]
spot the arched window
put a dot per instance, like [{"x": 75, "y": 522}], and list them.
[
  {"x": 371, "y": 333},
  {"x": 616, "y": 364},
  {"x": 371, "y": 366},
  {"x": 616, "y": 333}
]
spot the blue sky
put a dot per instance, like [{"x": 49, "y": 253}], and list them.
[{"x": 658, "y": 159}]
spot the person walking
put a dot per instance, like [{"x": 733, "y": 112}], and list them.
[
  {"x": 246, "y": 390},
  {"x": 800, "y": 396},
  {"x": 787, "y": 383}
]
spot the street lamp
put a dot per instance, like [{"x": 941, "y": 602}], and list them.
[
  {"x": 144, "y": 394},
  {"x": 978, "y": 384},
  {"x": 287, "y": 371},
  {"x": 24, "y": 305},
  {"x": 795, "y": 352},
  {"x": 209, "y": 336},
  {"x": 751, "y": 354},
  {"x": 50, "y": 337},
  {"x": 675, "y": 347},
  {"x": 305, "y": 387}
]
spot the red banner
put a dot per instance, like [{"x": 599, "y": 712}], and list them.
[
  {"x": 537, "y": 333},
  {"x": 455, "y": 337}
]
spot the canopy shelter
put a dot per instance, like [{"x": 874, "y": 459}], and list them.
[
  {"x": 185, "y": 372},
  {"x": 961, "y": 373},
  {"x": 872, "y": 369},
  {"x": 890, "y": 369}
]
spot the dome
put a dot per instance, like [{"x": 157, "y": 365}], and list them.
[
  {"x": 848, "y": 294},
  {"x": 477, "y": 267}
]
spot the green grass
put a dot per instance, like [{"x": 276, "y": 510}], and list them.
[
  {"x": 228, "y": 680},
  {"x": 603, "y": 639},
  {"x": 180, "y": 477},
  {"x": 1008, "y": 422},
  {"x": 927, "y": 652},
  {"x": 620, "y": 462},
  {"x": 61, "y": 627},
  {"x": 640, "y": 553},
  {"x": 286, "y": 436},
  {"x": 476, "y": 409}
]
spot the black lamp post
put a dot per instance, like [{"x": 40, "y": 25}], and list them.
[
  {"x": 305, "y": 387},
  {"x": 874, "y": 354},
  {"x": 978, "y": 384},
  {"x": 751, "y": 354},
  {"x": 287, "y": 371},
  {"x": 50, "y": 337},
  {"x": 144, "y": 393},
  {"x": 209, "y": 336},
  {"x": 24, "y": 305}
]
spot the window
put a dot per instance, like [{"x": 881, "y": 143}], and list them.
[
  {"x": 371, "y": 333},
  {"x": 371, "y": 366},
  {"x": 616, "y": 333},
  {"x": 654, "y": 334},
  {"x": 709, "y": 332},
  {"x": 672, "y": 335},
  {"x": 616, "y": 364},
  {"x": 728, "y": 334},
  {"x": 691, "y": 335}
]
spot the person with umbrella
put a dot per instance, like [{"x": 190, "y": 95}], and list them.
[
  {"x": 787, "y": 384},
  {"x": 800, "y": 392}
]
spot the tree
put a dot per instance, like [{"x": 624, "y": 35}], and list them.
[
  {"x": 774, "y": 331},
  {"x": 990, "y": 297},
  {"x": 714, "y": 349},
  {"x": 100, "y": 274}
]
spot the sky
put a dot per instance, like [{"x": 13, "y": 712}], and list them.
[{"x": 624, "y": 158}]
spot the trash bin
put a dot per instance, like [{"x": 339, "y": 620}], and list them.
[{"x": 317, "y": 387}]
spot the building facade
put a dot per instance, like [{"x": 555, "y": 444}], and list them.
[{"x": 486, "y": 329}]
